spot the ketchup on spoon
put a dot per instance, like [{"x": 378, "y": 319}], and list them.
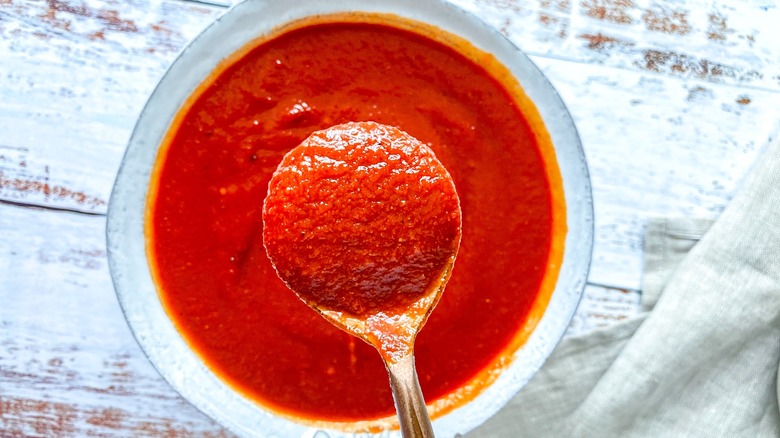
[{"x": 363, "y": 223}]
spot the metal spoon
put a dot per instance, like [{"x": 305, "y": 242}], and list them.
[{"x": 397, "y": 351}]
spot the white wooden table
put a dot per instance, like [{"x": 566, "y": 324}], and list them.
[{"x": 673, "y": 100}]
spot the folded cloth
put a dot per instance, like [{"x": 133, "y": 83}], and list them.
[
  {"x": 667, "y": 242},
  {"x": 701, "y": 360}
]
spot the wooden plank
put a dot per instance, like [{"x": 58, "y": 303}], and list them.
[
  {"x": 724, "y": 41},
  {"x": 75, "y": 75},
  {"x": 69, "y": 365},
  {"x": 658, "y": 146}
]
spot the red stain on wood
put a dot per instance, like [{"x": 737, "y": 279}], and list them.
[
  {"x": 554, "y": 22},
  {"x": 60, "y": 6},
  {"x": 600, "y": 42},
  {"x": 614, "y": 11},
  {"x": 99, "y": 35},
  {"x": 550, "y": 16},
  {"x": 97, "y": 22},
  {"x": 20, "y": 417},
  {"x": 718, "y": 27},
  {"x": 15, "y": 375},
  {"x": 699, "y": 93},
  {"x": 504, "y": 29},
  {"x": 109, "y": 418},
  {"x": 112, "y": 21},
  {"x": 561, "y": 5},
  {"x": 119, "y": 365},
  {"x": 108, "y": 390},
  {"x": 547, "y": 19},
  {"x": 26, "y": 186},
  {"x": 60, "y": 13},
  {"x": 667, "y": 61},
  {"x": 92, "y": 260},
  {"x": 163, "y": 37},
  {"x": 160, "y": 27},
  {"x": 666, "y": 21}
]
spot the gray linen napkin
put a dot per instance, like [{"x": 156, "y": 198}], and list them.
[{"x": 701, "y": 360}]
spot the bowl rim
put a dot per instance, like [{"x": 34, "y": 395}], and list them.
[{"x": 125, "y": 222}]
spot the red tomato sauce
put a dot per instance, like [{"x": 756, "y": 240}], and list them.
[
  {"x": 361, "y": 218},
  {"x": 363, "y": 222},
  {"x": 205, "y": 229}
]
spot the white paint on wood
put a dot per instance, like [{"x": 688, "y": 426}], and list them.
[
  {"x": 74, "y": 77},
  {"x": 724, "y": 41},
  {"x": 657, "y": 146}
]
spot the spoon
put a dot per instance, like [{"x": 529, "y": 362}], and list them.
[{"x": 363, "y": 223}]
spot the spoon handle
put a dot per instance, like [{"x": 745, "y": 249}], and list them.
[{"x": 409, "y": 401}]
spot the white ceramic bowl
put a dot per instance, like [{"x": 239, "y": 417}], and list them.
[{"x": 126, "y": 242}]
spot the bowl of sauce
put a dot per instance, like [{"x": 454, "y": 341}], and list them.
[{"x": 185, "y": 228}]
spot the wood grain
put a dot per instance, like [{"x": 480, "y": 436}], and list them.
[
  {"x": 726, "y": 41},
  {"x": 658, "y": 147},
  {"x": 75, "y": 76}
]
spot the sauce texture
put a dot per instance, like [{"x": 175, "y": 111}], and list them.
[
  {"x": 205, "y": 230},
  {"x": 363, "y": 223}
]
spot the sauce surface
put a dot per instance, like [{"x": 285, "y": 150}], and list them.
[{"x": 205, "y": 228}]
